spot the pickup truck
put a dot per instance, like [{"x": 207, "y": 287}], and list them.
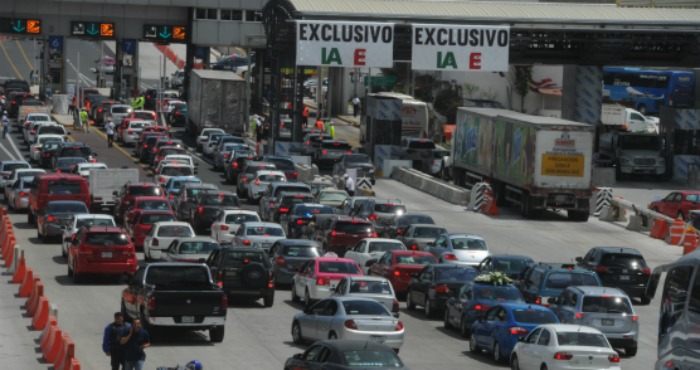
[{"x": 176, "y": 295}]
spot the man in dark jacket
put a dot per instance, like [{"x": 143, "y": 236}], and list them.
[{"x": 111, "y": 342}]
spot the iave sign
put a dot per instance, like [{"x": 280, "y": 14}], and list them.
[
  {"x": 345, "y": 44},
  {"x": 460, "y": 48}
]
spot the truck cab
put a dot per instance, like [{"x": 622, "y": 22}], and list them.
[{"x": 634, "y": 153}]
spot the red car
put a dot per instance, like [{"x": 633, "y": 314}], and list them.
[
  {"x": 398, "y": 266},
  {"x": 344, "y": 232},
  {"x": 103, "y": 250},
  {"x": 677, "y": 204},
  {"x": 143, "y": 223},
  {"x": 147, "y": 203},
  {"x": 125, "y": 195}
]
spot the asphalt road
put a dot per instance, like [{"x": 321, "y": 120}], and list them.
[{"x": 259, "y": 338}]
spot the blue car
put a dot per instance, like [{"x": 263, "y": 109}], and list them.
[
  {"x": 504, "y": 325},
  {"x": 172, "y": 187},
  {"x": 473, "y": 300}
]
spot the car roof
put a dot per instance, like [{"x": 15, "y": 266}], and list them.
[
  {"x": 572, "y": 328},
  {"x": 239, "y": 211},
  {"x": 197, "y": 239},
  {"x": 299, "y": 242},
  {"x": 342, "y": 218},
  {"x": 509, "y": 256},
  {"x": 148, "y": 197},
  {"x": 599, "y": 290},
  {"x": 171, "y": 223},
  {"x": 66, "y": 202},
  {"x": 466, "y": 235},
  {"x": 366, "y": 278},
  {"x": 59, "y": 176},
  {"x": 624, "y": 250},
  {"x": 525, "y": 306},
  {"x": 333, "y": 259},
  {"x": 156, "y": 212},
  {"x": 411, "y": 252},
  {"x": 12, "y": 162},
  {"x": 143, "y": 184},
  {"x": 216, "y": 192},
  {"x": 199, "y": 185},
  {"x": 340, "y": 345},
  {"x": 93, "y": 215},
  {"x": 432, "y": 226},
  {"x": 381, "y": 240},
  {"x": 233, "y": 248},
  {"x": 263, "y": 224}
]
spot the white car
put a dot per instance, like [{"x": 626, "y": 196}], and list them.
[
  {"x": 16, "y": 174},
  {"x": 132, "y": 132},
  {"x": 80, "y": 220},
  {"x": 170, "y": 105},
  {"x": 181, "y": 157},
  {"x": 83, "y": 169},
  {"x": 204, "y": 136},
  {"x": 228, "y": 221},
  {"x": 35, "y": 148},
  {"x": 210, "y": 145},
  {"x": 163, "y": 163},
  {"x": 372, "y": 248},
  {"x": 258, "y": 235},
  {"x": 173, "y": 170},
  {"x": 33, "y": 117},
  {"x": 18, "y": 195},
  {"x": 162, "y": 234},
  {"x": 318, "y": 278},
  {"x": 30, "y": 132},
  {"x": 259, "y": 184},
  {"x": 562, "y": 346}
]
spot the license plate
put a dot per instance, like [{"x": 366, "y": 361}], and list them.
[
  {"x": 187, "y": 319},
  {"x": 106, "y": 254},
  {"x": 378, "y": 338},
  {"x": 607, "y": 322},
  {"x": 624, "y": 277}
]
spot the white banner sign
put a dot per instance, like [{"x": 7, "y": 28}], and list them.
[
  {"x": 460, "y": 48},
  {"x": 345, "y": 44}
]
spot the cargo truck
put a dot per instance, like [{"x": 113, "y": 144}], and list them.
[
  {"x": 634, "y": 154},
  {"x": 535, "y": 162},
  {"x": 217, "y": 99},
  {"x": 105, "y": 182},
  {"x": 628, "y": 119}
]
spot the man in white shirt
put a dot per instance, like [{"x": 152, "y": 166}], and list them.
[
  {"x": 109, "y": 131},
  {"x": 349, "y": 185},
  {"x": 355, "y": 106}
]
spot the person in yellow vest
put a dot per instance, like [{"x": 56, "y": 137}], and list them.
[{"x": 138, "y": 102}]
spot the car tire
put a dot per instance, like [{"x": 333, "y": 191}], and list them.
[
  {"x": 473, "y": 348},
  {"x": 216, "y": 334},
  {"x": 269, "y": 300},
  {"x": 70, "y": 271},
  {"x": 296, "y": 333},
  {"x": 307, "y": 299},
  {"x": 631, "y": 351},
  {"x": 295, "y": 297},
  {"x": 497, "y": 355},
  {"x": 127, "y": 318},
  {"x": 543, "y": 367},
  {"x": 514, "y": 364},
  {"x": 63, "y": 252},
  {"x": 409, "y": 302},
  {"x": 463, "y": 329},
  {"x": 446, "y": 319},
  {"x": 427, "y": 309},
  {"x": 77, "y": 279}
]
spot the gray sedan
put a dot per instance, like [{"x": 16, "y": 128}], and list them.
[
  {"x": 57, "y": 216},
  {"x": 418, "y": 236},
  {"x": 372, "y": 287},
  {"x": 189, "y": 250},
  {"x": 348, "y": 318}
]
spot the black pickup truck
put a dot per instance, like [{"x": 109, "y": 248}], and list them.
[{"x": 176, "y": 295}]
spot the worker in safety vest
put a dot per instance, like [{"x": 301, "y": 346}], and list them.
[
  {"x": 319, "y": 124},
  {"x": 305, "y": 115},
  {"x": 138, "y": 102}
]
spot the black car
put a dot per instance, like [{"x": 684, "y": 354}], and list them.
[
  {"x": 48, "y": 150},
  {"x": 288, "y": 255},
  {"x": 286, "y": 201},
  {"x": 433, "y": 285},
  {"x": 207, "y": 205},
  {"x": 330, "y": 151},
  {"x": 178, "y": 117},
  {"x": 67, "y": 164},
  {"x": 401, "y": 222},
  {"x": 235, "y": 165},
  {"x": 284, "y": 164},
  {"x": 185, "y": 199},
  {"x": 147, "y": 151},
  {"x": 15, "y": 101},
  {"x": 359, "y": 162},
  {"x": 297, "y": 220},
  {"x": 545, "y": 280},
  {"x": 509, "y": 264},
  {"x": 622, "y": 268},
  {"x": 243, "y": 273},
  {"x": 74, "y": 149},
  {"x": 344, "y": 354}
]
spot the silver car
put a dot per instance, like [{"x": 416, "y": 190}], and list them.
[
  {"x": 419, "y": 236},
  {"x": 7, "y": 167},
  {"x": 348, "y": 318},
  {"x": 224, "y": 152},
  {"x": 16, "y": 175},
  {"x": 18, "y": 194},
  {"x": 258, "y": 235},
  {"x": 459, "y": 249},
  {"x": 118, "y": 112},
  {"x": 373, "y": 287},
  {"x": 195, "y": 249},
  {"x": 606, "y": 309}
]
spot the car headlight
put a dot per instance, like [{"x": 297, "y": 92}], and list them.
[{"x": 624, "y": 160}]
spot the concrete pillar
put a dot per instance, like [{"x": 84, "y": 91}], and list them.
[{"x": 584, "y": 93}]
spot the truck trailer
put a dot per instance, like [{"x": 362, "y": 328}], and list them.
[
  {"x": 217, "y": 99},
  {"x": 534, "y": 162}
]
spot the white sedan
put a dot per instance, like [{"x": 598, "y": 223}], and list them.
[
  {"x": 17, "y": 174},
  {"x": 372, "y": 248},
  {"x": 83, "y": 169},
  {"x": 258, "y": 235},
  {"x": 563, "y": 346},
  {"x": 173, "y": 170},
  {"x": 228, "y": 221},
  {"x": 80, "y": 220},
  {"x": 258, "y": 186},
  {"x": 35, "y": 148},
  {"x": 204, "y": 136},
  {"x": 162, "y": 234},
  {"x": 132, "y": 133}
]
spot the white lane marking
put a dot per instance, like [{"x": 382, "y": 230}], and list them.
[
  {"x": 9, "y": 154},
  {"x": 12, "y": 142}
]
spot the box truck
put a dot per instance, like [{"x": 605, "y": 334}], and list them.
[{"x": 217, "y": 99}]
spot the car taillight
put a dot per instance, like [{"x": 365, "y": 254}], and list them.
[
  {"x": 257, "y": 182},
  {"x": 349, "y": 152},
  {"x": 334, "y": 233},
  {"x": 450, "y": 257},
  {"x": 155, "y": 242},
  {"x": 155, "y": 150},
  {"x": 538, "y": 300},
  {"x": 58, "y": 171},
  {"x": 635, "y": 317},
  {"x": 372, "y": 217},
  {"x": 481, "y": 307},
  {"x": 442, "y": 289},
  {"x": 151, "y": 303},
  {"x": 601, "y": 268},
  {"x": 324, "y": 151},
  {"x": 579, "y": 315},
  {"x": 224, "y": 302},
  {"x": 397, "y": 273},
  {"x": 161, "y": 179},
  {"x": 350, "y": 324},
  {"x": 130, "y": 132},
  {"x": 294, "y": 174},
  {"x": 145, "y": 146},
  {"x": 614, "y": 358},
  {"x": 646, "y": 271},
  {"x": 322, "y": 281},
  {"x": 399, "y": 326},
  {"x": 414, "y": 247},
  {"x": 50, "y": 219},
  {"x": 36, "y": 149},
  {"x": 245, "y": 179},
  {"x": 33, "y": 131},
  {"x": 234, "y": 165},
  {"x": 171, "y": 196},
  {"x": 246, "y": 242},
  {"x": 272, "y": 204},
  {"x": 564, "y": 356},
  {"x": 280, "y": 261},
  {"x": 225, "y": 155},
  {"x": 283, "y": 210},
  {"x": 395, "y": 306},
  {"x": 23, "y": 194},
  {"x": 373, "y": 235},
  {"x": 223, "y": 227},
  {"x": 400, "y": 230},
  {"x": 300, "y": 222},
  {"x": 200, "y": 209},
  {"x": 516, "y": 330}
]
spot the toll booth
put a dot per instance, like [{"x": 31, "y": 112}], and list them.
[
  {"x": 381, "y": 123},
  {"x": 680, "y": 129}
]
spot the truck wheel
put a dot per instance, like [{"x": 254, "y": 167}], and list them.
[
  {"x": 269, "y": 300},
  {"x": 295, "y": 297},
  {"x": 216, "y": 334},
  {"x": 525, "y": 207}
]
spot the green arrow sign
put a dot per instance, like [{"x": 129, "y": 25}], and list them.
[
  {"x": 17, "y": 26},
  {"x": 165, "y": 34},
  {"x": 92, "y": 30}
]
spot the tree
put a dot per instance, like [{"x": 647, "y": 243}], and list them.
[{"x": 523, "y": 75}]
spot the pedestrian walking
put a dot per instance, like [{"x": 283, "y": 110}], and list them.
[
  {"x": 305, "y": 116},
  {"x": 5, "y": 124},
  {"x": 319, "y": 124},
  {"x": 111, "y": 341},
  {"x": 109, "y": 131},
  {"x": 258, "y": 128},
  {"x": 349, "y": 185},
  {"x": 355, "y": 106},
  {"x": 84, "y": 120},
  {"x": 135, "y": 342}
]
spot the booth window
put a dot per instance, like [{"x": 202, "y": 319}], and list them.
[
  {"x": 686, "y": 142},
  {"x": 231, "y": 15},
  {"x": 205, "y": 13},
  {"x": 253, "y": 16}
]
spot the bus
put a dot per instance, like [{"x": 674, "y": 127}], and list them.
[
  {"x": 679, "y": 316},
  {"x": 647, "y": 90}
]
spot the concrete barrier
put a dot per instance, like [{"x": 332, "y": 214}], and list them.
[
  {"x": 433, "y": 186},
  {"x": 390, "y": 164},
  {"x": 640, "y": 218}
]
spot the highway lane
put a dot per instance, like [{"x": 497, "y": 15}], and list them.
[{"x": 259, "y": 338}]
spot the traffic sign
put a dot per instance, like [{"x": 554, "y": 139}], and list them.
[
  {"x": 20, "y": 26},
  {"x": 129, "y": 46},
  {"x": 56, "y": 43},
  {"x": 364, "y": 183},
  {"x": 164, "y": 33},
  {"x": 381, "y": 81},
  {"x": 96, "y": 30}
]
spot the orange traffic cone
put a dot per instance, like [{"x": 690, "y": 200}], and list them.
[
  {"x": 690, "y": 242},
  {"x": 677, "y": 231}
]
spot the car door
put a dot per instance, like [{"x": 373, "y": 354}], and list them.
[
  {"x": 541, "y": 349},
  {"x": 306, "y": 277},
  {"x": 668, "y": 205},
  {"x": 526, "y": 355},
  {"x": 454, "y": 305},
  {"x": 439, "y": 247},
  {"x": 130, "y": 294},
  {"x": 482, "y": 331},
  {"x": 213, "y": 261},
  {"x": 308, "y": 360},
  {"x": 566, "y": 309},
  {"x": 325, "y": 319},
  {"x": 340, "y": 289},
  {"x": 420, "y": 285},
  {"x": 485, "y": 265},
  {"x": 308, "y": 321},
  {"x": 169, "y": 254}
]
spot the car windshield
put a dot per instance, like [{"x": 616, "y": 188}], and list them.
[
  {"x": 177, "y": 171},
  {"x": 38, "y": 118},
  {"x": 159, "y": 204},
  {"x": 13, "y": 166},
  {"x": 460, "y": 243},
  {"x": 371, "y": 287},
  {"x": 148, "y": 190},
  {"x": 384, "y": 246},
  {"x": 562, "y": 280},
  {"x": 106, "y": 239},
  {"x": 162, "y": 276},
  {"x": 332, "y": 196},
  {"x": 354, "y": 228},
  {"x": 66, "y": 208},
  {"x": 370, "y": 359},
  {"x": 169, "y": 151},
  {"x": 372, "y": 308},
  {"x": 692, "y": 198},
  {"x": 510, "y": 265},
  {"x": 574, "y": 338},
  {"x": 455, "y": 274},
  {"x": 389, "y": 208},
  {"x": 271, "y": 178},
  {"x": 143, "y": 115},
  {"x": 69, "y": 161},
  {"x": 192, "y": 192},
  {"x": 94, "y": 222},
  {"x": 139, "y": 124},
  {"x": 338, "y": 267},
  {"x": 120, "y": 109},
  {"x": 428, "y": 232},
  {"x": 336, "y": 145},
  {"x": 606, "y": 304},
  {"x": 526, "y": 316},
  {"x": 76, "y": 151},
  {"x": 281, "y": 163},
  {"x": 499, "y": 293},
  {"x": 240, "y": 259},
  {"x": 51, "y": 129},
  {"x": 197, "y": 247},
  {"x": 239, "y": 218},
  {"x": 91, "y": 166},
  {"x": 407, "y": 259},
  {"x": 264, "y": 231},
  {"x": 300, "y": 251},
  {"x": 63, "y": 187},
  {"x": 421, "y": 144},
  {"x": 221, "y": 200},
  {"x": 175, "y": 230},
  {"x": 151, "y": 219}
]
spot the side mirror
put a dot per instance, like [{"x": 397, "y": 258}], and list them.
[
  {"x": 298, "y": 356},
  {"x": 370, "y": 262}
]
